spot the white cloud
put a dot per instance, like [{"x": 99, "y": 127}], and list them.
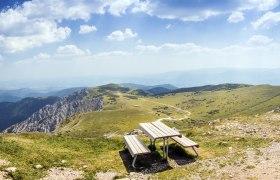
[
  {"x": 121, "y": 36},
  {"x": 268, "y": 20},
  {"x": 40, "y": 33},
  {"x": 235, "y": 17},
  {"x": 143, "y": 6},
  {"x": 201, "y": 10},
  {"x": 149, "y": 48},
  {"x": 168, "y": 26},
  {"x": 69, "y": 50},
  {"x": 262, "y": 5},
  {"x": 42, "y": 56},
  {"x": 87, "y": 29},
  {"x": 259, "y": 40},
  {"x": 118, "y": 7},
  {"x": 169, "y": 47},
  {"x": 111, "y": 54},
  {"x": 37, "y": 22}
]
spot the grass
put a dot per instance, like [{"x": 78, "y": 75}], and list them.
[
  {"x": 221, "y": 104},
  {"x": 30, "y": 149},
  {"x": 80, "y": 140},
  {"x": 99, "y": 123}
]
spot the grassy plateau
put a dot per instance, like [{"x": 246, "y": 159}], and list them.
[{"x": 95, "y": 139}]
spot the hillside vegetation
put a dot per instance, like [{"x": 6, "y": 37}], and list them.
[
  {"x": 124, "y": 109},
  {"x": 229, "y": 124}
]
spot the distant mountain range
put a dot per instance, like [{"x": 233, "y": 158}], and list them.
[
  {"x": 153, "y": 90},
  {"x": 188, "y": 78},
  {"x": 202, "y": 77},
  {"x": 19, "y": 94}
]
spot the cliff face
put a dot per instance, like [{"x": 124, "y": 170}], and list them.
[{"x": 49, "y": 117}]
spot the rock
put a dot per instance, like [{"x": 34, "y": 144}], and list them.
[
  {"x": 223, "y": 143},
  {"x": 63, "y": 161},
  {"x": 135, "y": 131},
  {"x": 231, "y": 176},
  {"x": 63, "y": 174},
  {"x": 49, "y": 117},
  {"x": 11, "y": 169},
  {"x": 107, "y": 175},
  {"x": 85, "y": 166},
  {"x": 38, "y": 166},
  {"x": 4, "y": 162}
]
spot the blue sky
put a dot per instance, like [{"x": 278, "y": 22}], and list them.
[{"x": 48, "y": 39}]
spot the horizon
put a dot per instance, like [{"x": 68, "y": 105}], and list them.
[
  {"x": 58, "y": 40},
  {"x": 153, "y": 79}
]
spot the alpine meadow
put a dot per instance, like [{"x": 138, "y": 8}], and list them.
[{"x": 139, "y": 89}]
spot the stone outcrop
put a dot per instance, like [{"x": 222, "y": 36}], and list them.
[{"x": 49, "y": 117}]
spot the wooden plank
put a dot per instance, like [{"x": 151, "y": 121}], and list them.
[
  {"x": 130, "y": 146},
  {"x": 159, "y": 132},
  {"x": 144, "y": 149},
  {"x": 185, "y": 142},
  {"x": 150, "y": 130},
  {"x": 135, "y": 145},
  {"x": 147, "y": 131},
  {"x": 169, "y": 131}
]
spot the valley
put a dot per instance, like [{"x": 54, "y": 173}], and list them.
[{"x": 234, "y": 125}]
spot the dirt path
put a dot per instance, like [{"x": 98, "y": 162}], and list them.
[{"x": 187, "y": 113}]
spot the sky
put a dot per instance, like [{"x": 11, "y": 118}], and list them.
[{"x": 56, "y": 39}]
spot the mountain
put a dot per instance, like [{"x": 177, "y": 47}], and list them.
[
  {"x": 123, "y": 108},
  {"x": 200, "y": 77},
  {"x": 18, "y": 94},
  {"x": 147, "y": 87},
  {"x": 48, "y": 118},
  {"x": 209, "y": 88},
  {"x": 152, "y": 90},
  {"x": 64, "y": 92},
  {"x": 158, "y": 90},
  {"x": 14, "y": 112},
  {"x": 9, "y": 98}
]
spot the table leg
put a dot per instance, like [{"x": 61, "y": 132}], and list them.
[
  {"x": 167, "y": 150},
  {"x": 163, "y": 148}
]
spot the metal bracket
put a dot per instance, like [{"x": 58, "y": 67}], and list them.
[
  {"x": 195, "y": 151},
  {"x": 133, "y": 163}
]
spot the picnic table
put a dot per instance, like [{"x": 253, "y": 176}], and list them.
[{"x": 158, "y": 130}]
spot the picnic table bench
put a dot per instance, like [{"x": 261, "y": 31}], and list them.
[
  {"x": 135, "y": 146},
  {"x": 186, "y": 142}
]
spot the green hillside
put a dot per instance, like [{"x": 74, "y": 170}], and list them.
[
  {"x": 95, "y": 139},
  {"x": 124, "y": 109}
]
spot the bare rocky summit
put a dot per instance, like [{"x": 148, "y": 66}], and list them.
[{"x": 49, "y": 117}]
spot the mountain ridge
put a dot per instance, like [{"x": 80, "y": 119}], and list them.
[
  {"x": 14, "y": 112},
  {"x": 50, "y": 116}
]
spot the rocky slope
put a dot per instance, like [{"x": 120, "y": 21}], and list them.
[
  {"x": 16, "y": 112},
  {"x": 49, "y": 117}
]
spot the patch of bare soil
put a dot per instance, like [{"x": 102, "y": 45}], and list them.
[
  {"x": 262, "y": 164},
  {"x": 3, "y": 175},
  {"x": 246, "y": 129},
  {"x": 4, "y": 162},
  {"x": 63, "y": 174}
]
